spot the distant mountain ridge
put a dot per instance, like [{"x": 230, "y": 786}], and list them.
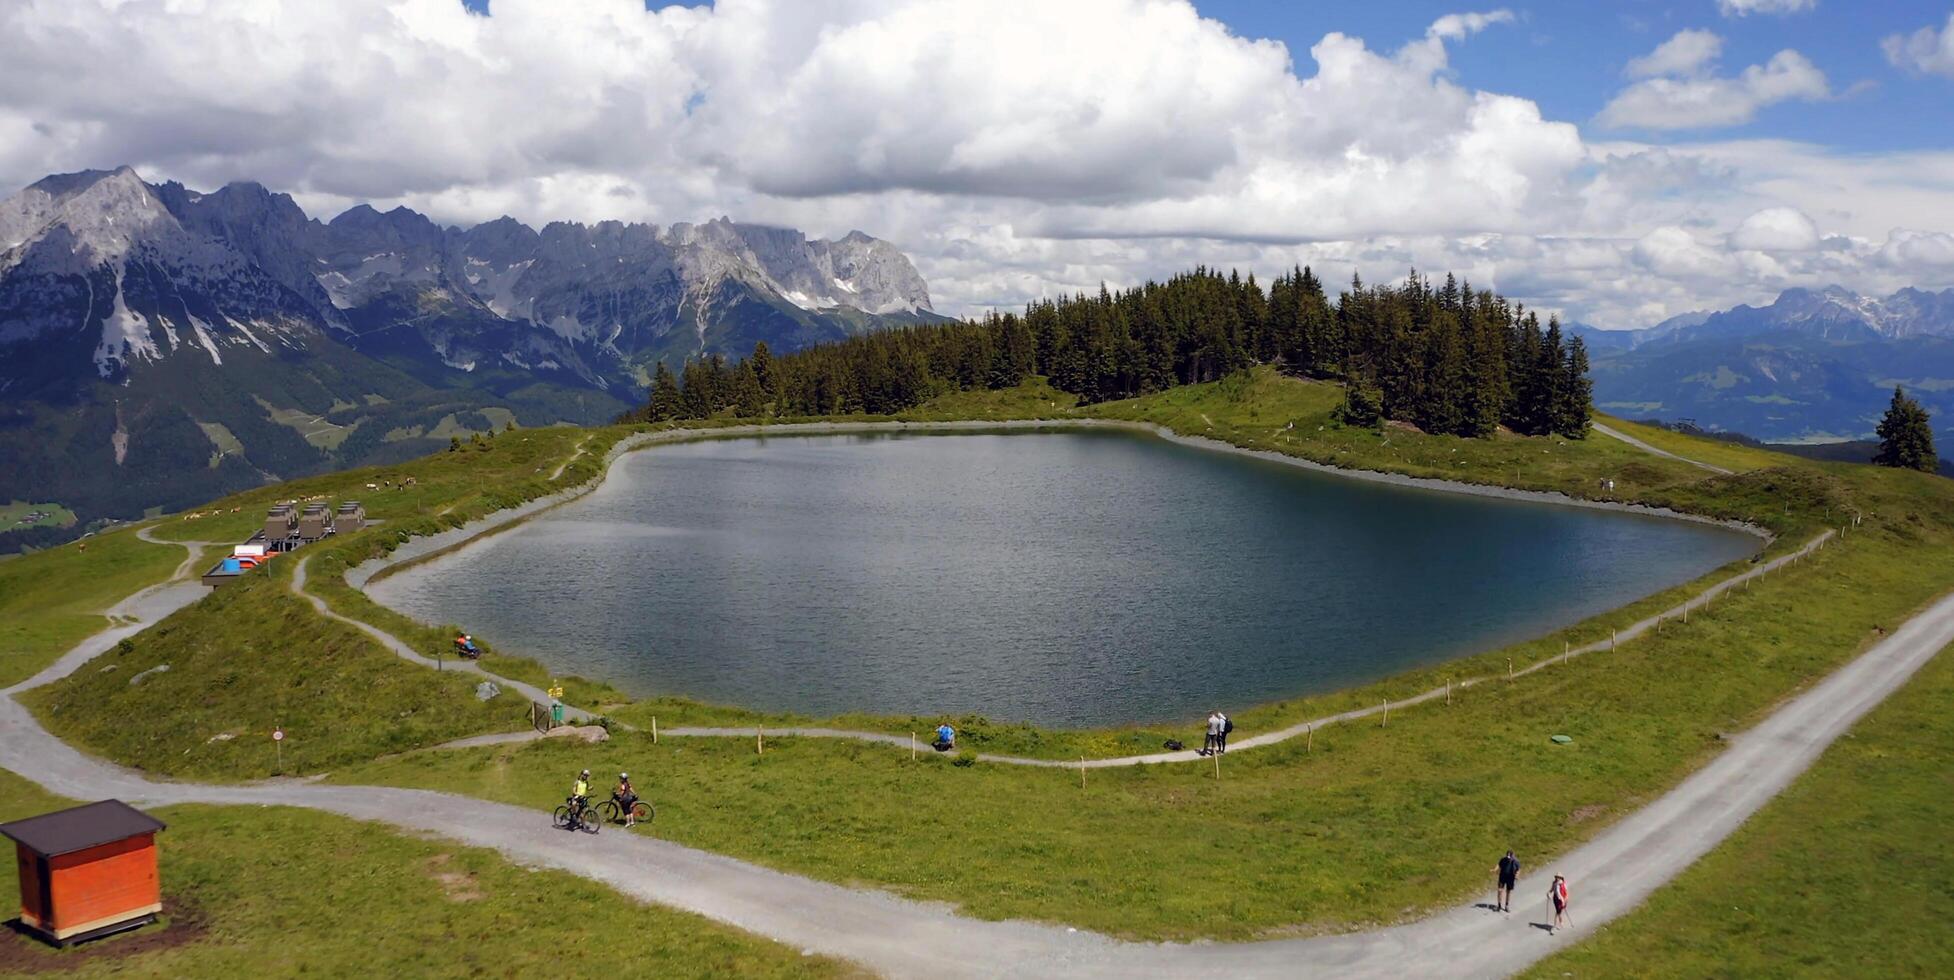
[
  {"x": 1815, "y": 365},
  {"x": 161, "y": 345}
]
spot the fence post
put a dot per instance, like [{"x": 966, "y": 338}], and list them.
[
  {"x": 912, "y": 746},
  {"x": 1448, "y": 692},
  {"x": 759, "y": 741},
  {"x": 1082, "y": 772},
  {"x": 1309, "y": 737},
  {"x": 1387, "y": 714},
  {"x": 1509, "y": 668},
  {"x": 654, "y": 729}
]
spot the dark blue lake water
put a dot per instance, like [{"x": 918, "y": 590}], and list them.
[{"x": 1067, "y": 578}]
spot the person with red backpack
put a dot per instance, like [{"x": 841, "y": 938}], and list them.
[{"x": 1557, "y": 894}]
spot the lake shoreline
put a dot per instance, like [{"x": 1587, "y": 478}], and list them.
[
  {"x": 427, "y": 548},
  {"x": 420, "y": 550}
]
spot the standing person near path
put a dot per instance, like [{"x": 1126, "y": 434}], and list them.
[
  {"x": 1213, "y": 741},
  {"x": 1508, "y": 870},
  {"x": 1557, "y": 894},
  {"x": 1221, "y": 739}
]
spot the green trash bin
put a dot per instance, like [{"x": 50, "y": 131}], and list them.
[{"x": 556, "y": 713}]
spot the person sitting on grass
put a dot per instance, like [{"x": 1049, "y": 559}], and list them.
[
  {"x": 626, "y": 797},
  {"x": 946, "y": 738}
]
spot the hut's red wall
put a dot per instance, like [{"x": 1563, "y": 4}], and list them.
[
  {"x": 31, "y": 911},
  {"x": 102, "y": 885}
]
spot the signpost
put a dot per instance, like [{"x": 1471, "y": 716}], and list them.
[{"x": 278, "y": 743}]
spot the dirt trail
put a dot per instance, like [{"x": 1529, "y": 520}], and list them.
[{"x": 1645, "y": 447}]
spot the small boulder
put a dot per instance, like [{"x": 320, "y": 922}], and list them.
[
  {"x": 589, "y": 733},
  {"x": 137, "y": 680},
  {"x": 487, "y": 691}
]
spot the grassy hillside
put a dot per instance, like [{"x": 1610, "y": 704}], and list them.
[
  {"x": 53, "y": 599},
  {"x": 1845, "y": 874},
  {"x": 1370, "y": 824},
  {"x": 199, "y": 694},
  {"x": 280, "y": 892}
]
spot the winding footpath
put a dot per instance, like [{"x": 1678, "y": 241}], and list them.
[
  {"x": 399, "y": 648},
  {"x": 1614, "y": 433},
  {"x": 1612, "y": 873}
]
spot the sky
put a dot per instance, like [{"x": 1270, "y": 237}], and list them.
[{"x": 1614, "y": 162}]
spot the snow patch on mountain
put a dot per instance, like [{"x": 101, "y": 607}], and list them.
[{"x": 125, "y": 336}]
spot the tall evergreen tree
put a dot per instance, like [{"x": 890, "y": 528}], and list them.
[
  {"x": 763, "y": 370},
  {"x": 667, "y": 402},
  {"x": 1576, "y": 393},
  {"x": 749, "y": 401},
  {"x": 1906, "y": 436}
]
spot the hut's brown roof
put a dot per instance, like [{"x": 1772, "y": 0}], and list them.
[{"x": 80, "y": 828}]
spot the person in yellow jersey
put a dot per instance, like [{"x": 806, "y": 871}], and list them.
[{"x": 580, "y": 794}]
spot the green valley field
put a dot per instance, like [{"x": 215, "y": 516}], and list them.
[{"x": 1363, "y": 823}]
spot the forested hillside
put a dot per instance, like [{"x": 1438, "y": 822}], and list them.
[{"x": 1447, "y": 359}]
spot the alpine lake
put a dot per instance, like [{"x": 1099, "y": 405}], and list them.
[{"x": 1070, "y": 577}]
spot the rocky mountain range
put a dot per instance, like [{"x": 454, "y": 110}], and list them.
[
  {"x": 1815, "y": 365},
  {"x": 161, "y": 345}
]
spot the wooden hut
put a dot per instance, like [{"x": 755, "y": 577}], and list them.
[{"x": 87, "y": 871}]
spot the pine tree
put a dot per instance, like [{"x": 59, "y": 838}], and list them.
[
  {"x": 763, "y": 370},
  {"x": 1576, "y": 393},
  {"x": 1906, "y": 436},
  {"x": 748, "y": 400},
  {"x": 666, "y": 401}
]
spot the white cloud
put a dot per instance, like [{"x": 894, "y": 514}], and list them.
[
  {"x": 1014, "y": 149},
  {"x": 1776, "y": 230},
  {"x": 1688, "y": 53},
  {"x": 1740, "y": 8},
  {"x": 1678, "y": 89},
  {"x": 1925, "y": 51},
  {"x": 1457, "y": 27}
]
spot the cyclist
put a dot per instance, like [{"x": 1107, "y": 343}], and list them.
[
  {"x": 626, "y": 798},
  {"x": 580, "y": 796}
]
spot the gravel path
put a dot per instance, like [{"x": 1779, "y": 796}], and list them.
[
  {"x": 1610, "y": 875},
  {"x": 1645, "y": 447},
  {"x": 400, "y": 649}
]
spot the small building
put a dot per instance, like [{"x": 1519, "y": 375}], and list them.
[
  {"x": 315, "y": 523},
  {"x": 87, "y": 871},
  {"x": 351, "y": 517},
  {"x": 281, "y": 523}
]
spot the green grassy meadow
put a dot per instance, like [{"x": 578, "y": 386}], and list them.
[
  {"x": 284, "y": 892},
  {"x": 1376, "y": 824},
  {"x": 53, "y": 599},
  {"x": 1369, "y": 825},
  {"x": 11, "y": 514},
  {"x": 1844, "y": 874}
]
